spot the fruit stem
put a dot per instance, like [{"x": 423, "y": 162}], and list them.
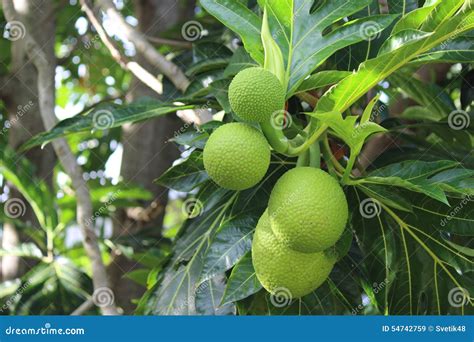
[
  {"x": 275, "y": 137},
  {"x": 350, "y": 165},
  {"x": 331, "y": 158},
  {"x": 295, "y": 151},
  {"x": 303, "y": 160},
  {"x": 315, "y": 155}
]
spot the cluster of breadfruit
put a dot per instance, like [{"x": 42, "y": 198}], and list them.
[{"x": 307, "y": 210}]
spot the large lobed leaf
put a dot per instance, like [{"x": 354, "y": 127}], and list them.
[
  {"x": 307, "y": 36},
  {"x": 371, "y": 72}
]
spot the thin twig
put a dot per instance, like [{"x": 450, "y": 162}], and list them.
[
  {"x": 84, "y": 307},
  {"x": 139, "y": 72},
  {"x": 143, "y": 46},
  {"x": 170, "y": 42}
]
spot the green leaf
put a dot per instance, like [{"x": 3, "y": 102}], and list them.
[
  {"x": 402, "y": 263},
  {"x": 240, "y": 60},
  {"x": 209, "y": 295},
  {"x": 401, "y": 38},
  {"x": 442, "y": 10},
  {"x": 106, "y": 197},
  {"x": 414, "y": 176},
  {"x": 456, "y": 219},
  {"x": 343, "y": 245},
  {"x": 186, "y": 175},
  {"x": 58, "y": 287},
  {"x": 231, "y": 242},
  {"x": 273, "y": 57},
  {"x": 371, "y": 72},
  {"x": 302, "y": 36},
  {"x": 388, "y": 196},
  {"x": 242, "y": 282},
  {"x": 139, "y": 276},
  {"x": 456, "y": 181},
  {"x": 459, "y": 50},
  {"x": 20, "y": 172},
  {"x": 236, "y": 16},
  {"x": 181, "y": 277},
  {"x": 412, "y": 20},
  {"x": 346, "y": 128},
  {"x": 191, "y": 137},
  {"x": 220, "y": 89},
  {"x": 26, "y": 250},
  {"x": 175, "y": 294},
  {"x": 322, "y": 79},
  {"x": 431, "y": 96},
  {"x": 104, "y": 117},
  {"x": 419, "y": 113}
]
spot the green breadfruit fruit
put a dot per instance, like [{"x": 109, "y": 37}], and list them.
[
  {"x": 282, "y": 270},
  {"x": 308, "y": 210},
  {"x": 236, "y": 156},
  {"x": 255, "y": 94}
]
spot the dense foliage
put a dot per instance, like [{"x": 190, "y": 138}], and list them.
[{"x": 407, "y": 248}]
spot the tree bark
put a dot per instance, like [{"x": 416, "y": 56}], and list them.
[
  {"x": 44, "y": 61},
  {"x": 20, "y": 96},
  {"x": 147, "y": 154}
]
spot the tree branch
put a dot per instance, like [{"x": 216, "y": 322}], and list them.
[
  {"x": 168, "y": 68},
  {"x": 170, "y": 42},
  {"x": 135, "y": 68},
  {"x": 83, "y": 308},
  {"x": 8, "y": 83},
  {"x": 45, "y": 65}
]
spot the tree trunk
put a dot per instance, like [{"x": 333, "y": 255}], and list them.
[
  {"x": 20, "y": 96},
  {"x": 146, "y": 154}
]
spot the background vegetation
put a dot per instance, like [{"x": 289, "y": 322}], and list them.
[{"x": 106, "y": 106}]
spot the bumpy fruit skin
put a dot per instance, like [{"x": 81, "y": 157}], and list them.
[
  {"x": 281, "y": 269},
  {"x": 255, "y": 94},
  {"x": 308, "y": 210},
  {"x": 236, "y": 156}
]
